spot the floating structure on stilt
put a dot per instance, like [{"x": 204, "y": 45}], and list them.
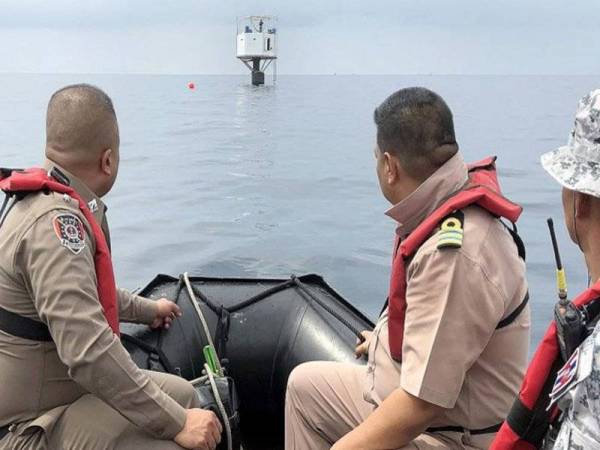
[{"x": 257, "y": 45}]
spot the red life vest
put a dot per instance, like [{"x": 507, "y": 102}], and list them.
[
  {"x": 528, "y": 420},
  {"x": 34, "y": 180},
  {"x": 482, "y": 190}
]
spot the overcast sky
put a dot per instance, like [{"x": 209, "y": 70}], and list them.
[{"x": 315, "y": 36}]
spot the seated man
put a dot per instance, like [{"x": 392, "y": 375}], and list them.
[
  {"x": 449, "y": 350},
  {"x": 575, "y": 167},
  {"x": 574, "y": 388},
  {"x": 67, "y": 382}
]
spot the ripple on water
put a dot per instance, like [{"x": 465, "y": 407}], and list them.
[{"x": 298, "y": 159}]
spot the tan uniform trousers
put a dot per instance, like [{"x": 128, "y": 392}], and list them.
[
  {"x": 90, "y": 424},
  {"x": 324, "y": 401}
]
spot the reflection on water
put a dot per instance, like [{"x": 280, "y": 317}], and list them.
[{"x": 230, "y": 179}]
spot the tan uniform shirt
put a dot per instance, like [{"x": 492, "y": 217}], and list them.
[
  {"x": 452, "y": 354},
  {"x": 45, "y": 280}
]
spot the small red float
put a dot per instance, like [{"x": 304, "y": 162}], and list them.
[{"x": 191, "y": 86}]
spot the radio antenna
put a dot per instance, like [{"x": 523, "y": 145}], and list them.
[{"x": 561, "y": 278}]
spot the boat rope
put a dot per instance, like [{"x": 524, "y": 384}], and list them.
[
  {"x": 326, "y": 307},
  {"x": 150, "y": 350},
  {"x": 192, "y": 296},
  {"x": 222, "y": 410},
  {"x": 261, "y": 296},
  {"x": 294, "y": 281},
  {"x": 156, "y": 355},
  {"x": 199, "y": 380}
]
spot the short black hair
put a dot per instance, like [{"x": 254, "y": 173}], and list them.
[
  {"x": 90, "y": 92},
  {"x": 412, "y": 124},
  {"x": 81, "y": 117}
]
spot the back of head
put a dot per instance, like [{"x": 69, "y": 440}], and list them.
[
  {"x": 416, "y": 125},
  {"x": 80, "y": 124}
]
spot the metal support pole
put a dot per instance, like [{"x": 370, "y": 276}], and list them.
[{"x": 258, "y": 77}]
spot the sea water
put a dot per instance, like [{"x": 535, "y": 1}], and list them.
[{"x": 234, "y": 180}]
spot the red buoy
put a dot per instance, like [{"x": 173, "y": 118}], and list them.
[{"x": 191, "y": 86}]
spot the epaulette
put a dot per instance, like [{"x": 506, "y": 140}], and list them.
[
  {"x": 451, "y": 232},
  {"x": 59, "y": 176}
]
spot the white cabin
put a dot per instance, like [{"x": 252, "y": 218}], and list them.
[{"x": 256, "y": 38}]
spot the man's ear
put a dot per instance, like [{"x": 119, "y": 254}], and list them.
[
  {"x": 108, "y": 162},
  {"x": 391, "y": 169},
  {"x": 583, "y": 204}
]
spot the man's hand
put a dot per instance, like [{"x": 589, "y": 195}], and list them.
[
  {"x": 362, "y": 348},
  {"x": 202, "y": 430},
  {"x": 166, "y": 312}
]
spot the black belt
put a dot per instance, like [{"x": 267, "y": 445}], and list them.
[
  {"x": 457, "y": 429},
  {"x": 4, "y": 431},
  {"x": 23, "y": 327}
]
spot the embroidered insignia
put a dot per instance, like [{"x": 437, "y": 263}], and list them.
[
  {"x": 70, "y": 232},
  {"x": 451, "y": 232},
  {"x": 565, "y": 377},
  {"x": 93, "y": 205}
]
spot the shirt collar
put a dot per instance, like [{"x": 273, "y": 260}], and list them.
[
  {"x": 96, "y": 206},
  {"x": 445, "y": 181}
]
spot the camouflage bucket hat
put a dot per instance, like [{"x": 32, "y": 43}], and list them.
[{"x": 577, "y": 165}]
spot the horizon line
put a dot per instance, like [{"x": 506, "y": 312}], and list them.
[{"x": 550, "y": 74}]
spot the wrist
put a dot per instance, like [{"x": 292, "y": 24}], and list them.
[
  {"x": 148, "y": 310},
  {"x": 350, "y": 441},
  {"x": 178, "y": 419}
]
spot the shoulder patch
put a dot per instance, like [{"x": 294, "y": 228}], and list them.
[
  {"x": 451, "y": 232},
  {"x": 70, "y": 232},
  {"x": 577, "y": 369}
]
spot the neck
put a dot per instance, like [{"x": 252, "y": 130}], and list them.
[
  {"x": 81, "y": 174},
  {"x": 403, "y": 190},
  {"x": 421, "y": 199},
  {"x": 591, "y": 251},
  {"x": 90, "y": 182},
  {"x": 593, "y": 264}
]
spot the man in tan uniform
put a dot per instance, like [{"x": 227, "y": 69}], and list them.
[
  {"x": 79, "y": 389},
  {"x": 458, "y": 372}
]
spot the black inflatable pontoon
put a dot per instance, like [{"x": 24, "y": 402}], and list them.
[{"x": 262, "y": 327}]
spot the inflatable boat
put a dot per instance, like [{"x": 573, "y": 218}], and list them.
[{"x": 261, "y": 329}]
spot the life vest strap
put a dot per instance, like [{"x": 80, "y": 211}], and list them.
[
  {"x": 457, "y": 429},
  {"x": 513, "y": 315},
  {"x": 6, "y": 172},
  {"x": 592, "y": 312},
  {"x": 7, "y": 207},
  {"x": 23, "y": 327},
  {"x": 517, "y": 239},
  {"x": 4, "y": 204},
  {"x": 4, "y": 209},
  {"x": 531, "y": 425}
]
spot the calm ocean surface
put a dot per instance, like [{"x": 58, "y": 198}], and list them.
[{"x": 232, "y": 180}]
